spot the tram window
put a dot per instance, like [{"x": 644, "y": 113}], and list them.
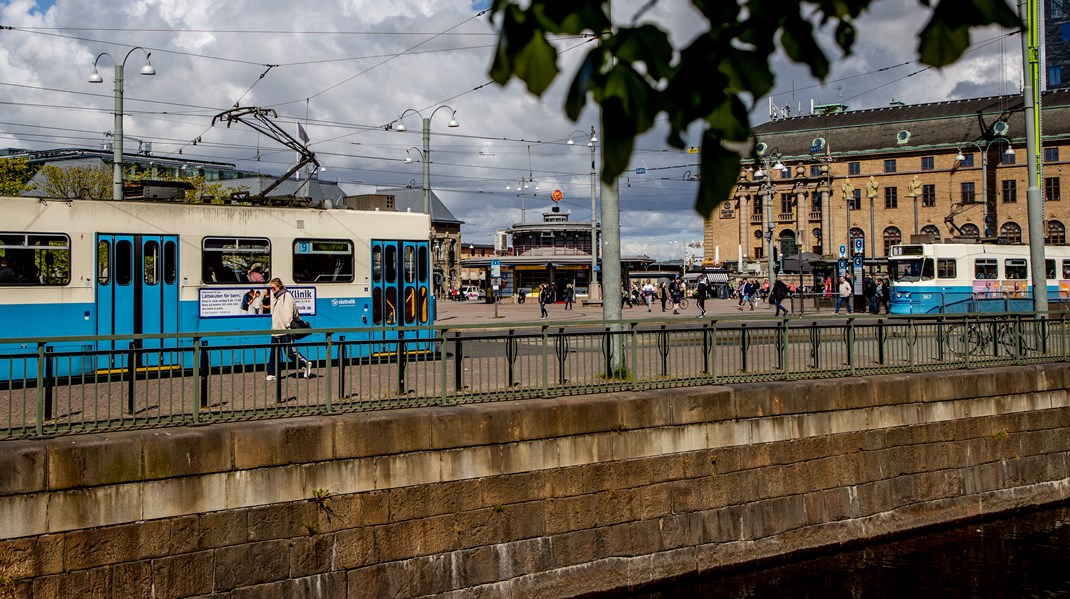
[
  {"x": 1066, "y": 269},
  {"x": 377, "y": 305},
  {"x": 927, "y": 269},
  {"x": 1049, "y": 269},
  {"x": 1015, "y": 268},
  {"x": 410, "y": 264},
  {"x": 170, "y": 263},
  {"x": 151, "y": 262},
  {"x": 35, "y": 259},
  {"x": 946, "y": 268},
  {"x": 323, "y": 261},
  {"x": 124, "y": 262},
  {"x": 391, "y": 263},
  {"x": 377, "y": 264},
  {"x": 103, "y": 258},
  {"x": 985, "y": 268},
  {"x": 391, "y": 305},
  {"x": 229, "y": 260},
  {"x": 421, "y": 264}
]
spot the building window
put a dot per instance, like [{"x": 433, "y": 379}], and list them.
[
  {"x": 1051, "y": 189},
  {"x": 1055, "y": 10},
  {"x": 928, "y": 195},
  {"x": 1006, "y": 157},
  {"x": 969, "y": 194},
  {"x": 889, "y": 165},
  {"x": 967, "y": 159},
  {"x": 815, "y": 170},
  {"x": 856, "y": 233},
  {"x": 856, "y": 200},
  {"x": 971, "y": 230},
  {"x": 854, "y": 168},
  {"x": 759, "y": 252},
  {"x": 1056, "y": 233},
  {"x": 1055, "y": 75},
  {"x": 785, "y": 203},
  {"x": 1065, "y": 30},
  {"x": 891, "y": 197},
  {"x": 756, "y": 205},
  {"x": 928, "y": 163},
  {"x": 1051, "y": 154},
  {"x": 931, "y": 230},
  {"x": 1010, "y": 191},
  {"x": 892, "y": 236},
  {"x": 1010, "y": 233}
]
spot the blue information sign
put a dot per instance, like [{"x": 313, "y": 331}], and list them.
[
  {"x": 860, "y": 244},
  {"x": 843, "y": 251}
]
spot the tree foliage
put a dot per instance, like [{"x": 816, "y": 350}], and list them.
[
  {"x": 83, "y": 182},
  {"x": 635, "y": 74},
  {"x": 15, "y": 175}
]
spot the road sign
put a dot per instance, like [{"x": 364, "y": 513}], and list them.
[
  {"x": 860, "y": 244},
  {"x": 841, "y": 264},
  {"x": 640, "y": 171},
  {"x": 496, "y": 268},
  {"x": 858, "y": 262},
  {"x": 843, "y": 253}
]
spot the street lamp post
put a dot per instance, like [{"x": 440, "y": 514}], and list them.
[
  {"x": 770, "y": 161},
  {"x": 592, "y": 292},
  {"x": 522, "y": 186},
  {"x": 426, "y": 155},
  {"x": 117, "y": 150}
]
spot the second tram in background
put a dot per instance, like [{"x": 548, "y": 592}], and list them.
[
  {"x": 102, "y": 268},
  {"x": 933, "y": 278}
]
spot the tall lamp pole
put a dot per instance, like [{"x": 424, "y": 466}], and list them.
[
  {"x": 427, "y": 146},
  {"x": 592, "y": 292},
  {"x": 770, "y": 161},
  {"x": 983, "y": 151},
  {"x": 117, "y": 150}
]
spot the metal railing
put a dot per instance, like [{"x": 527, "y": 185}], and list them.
[{"x": 168, "y": 380}]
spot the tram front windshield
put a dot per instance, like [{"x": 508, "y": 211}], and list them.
[{"x": 911, "y": 270}]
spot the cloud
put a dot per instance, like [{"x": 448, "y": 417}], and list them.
[{"x": 346, "y": 69}]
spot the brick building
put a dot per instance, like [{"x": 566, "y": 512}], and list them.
[{"x": 883, "y": 175}]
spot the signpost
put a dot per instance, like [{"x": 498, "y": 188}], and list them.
[{"x": 496, "y": 282}]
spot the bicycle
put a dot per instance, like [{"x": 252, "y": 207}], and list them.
[
  {"x": 684, "y": 303},
  {"x": 974, "y": 338}
]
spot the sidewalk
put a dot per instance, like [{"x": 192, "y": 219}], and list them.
[{"x": 477, "y": 312}]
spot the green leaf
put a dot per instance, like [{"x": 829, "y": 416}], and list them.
[
  {"x": 800, "y": 45},
  {"x": 635, "y": 95},
  {"x": 747, "y": 71},
  {"x": 523, "y": 52},
  {"x": 646, "y": 44},
  {"x": 845, "y": 36},
  {"x": 730, "y": 120},
  {"x": 576, "y": 98},
  {"x": 618, "y": 139},
  {"x": 942, "y": 44},
  {"x": 719, "y": 169}
]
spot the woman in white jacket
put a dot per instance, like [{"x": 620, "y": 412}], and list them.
[{"x": 283, "y": 310}]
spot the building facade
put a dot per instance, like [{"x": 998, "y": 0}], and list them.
[{"x": 870, "y": 179}]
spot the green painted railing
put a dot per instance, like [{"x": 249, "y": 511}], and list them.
[{"x": 171, "y": 380}]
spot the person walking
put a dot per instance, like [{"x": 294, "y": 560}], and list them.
[
  {"x": 777, "y": 294},
  {"x": 869, "y": 291},
  {"x": 544, "y": 298},
  {"x": 648, "y": 295},
  {"x": 674, "y": 293},
  {"x": 570, "y": 296},
  {"x": 283, "y": 311},
  {"x": 746, "y": 295},
  {"x": 885, "y": 296},
  {"x": 700, "y": 296},
  {"x": 663, "y": 294},
  {"x": 844, "y": 297}
]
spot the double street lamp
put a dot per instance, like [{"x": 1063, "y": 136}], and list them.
[
  {"x": 983, "y": 150},
  {"x": 117, "y": 150},
  {"x": 770, "y": 160},
  {"x": 426, "y": 154},
  {"x": 593, "y": 139}
]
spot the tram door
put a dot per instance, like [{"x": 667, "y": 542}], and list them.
[
  {"x": 400, "y": 288},
  {"x": 137, "y": 289}
]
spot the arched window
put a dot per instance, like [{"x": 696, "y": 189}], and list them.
[
  {"x": 787, "y": 243},
  {"x": 931, "y": 230},
  {"x": 1010, "y": 233},
  {"x": 1056, "y": 233},
  {"x": 892, "y": 236},
  {"x": 856, "y": 233},
  {"x": 970, "y": 230}
]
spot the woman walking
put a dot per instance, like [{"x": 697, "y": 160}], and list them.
[{"x": 283, "y": 311}]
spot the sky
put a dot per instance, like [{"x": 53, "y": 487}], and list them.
[{"x": 346, "y": 69}]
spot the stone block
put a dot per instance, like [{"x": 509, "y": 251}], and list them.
[
  {"x": 220, "y": 529},
  {"x": 22, "y": 467},
  {"x": 699, "y": 405},
  {"x": 526, "y": 456},
  {"x": 341, "y": 477},
  {"x": 407, "y": 469},
  {"x": 601, "y": 576},
  {"x": 382, "y": 580},
  {"x": 522, "y": 520},
  {"x": 567, "y": 514},
  {"x": 174, "y": 497},
  {"x": 640, "y": 411},
  {"x": 30, "y": 557},
  {"x": 355, "y": 548},
  {"x": 84, "y": 549},
  {"x": 251, "y": 564},
  {"x": 281, "y": 521},
  {"x": 321, "y": 586},
  {"x": 92, "y": 507},
  {"x": 93, "y": 460},
  {"x": 570, "y": 416},
  {"x": 655, "y": 501},
  {"x": 23, "y": 515},
  {"x": 311, "y": 555},
  {"x": 575, "y": 548},
  {"x": 183, "y": 575},
  {"x": 382, "y": 433},
  {"x": 173, "y": 452},
  {"x": 262, "y": 486},
  {"x": 466, "y": 463},
  {"x": 527, "y": 556},
  {"x": 467, "y": 426},
  {"x": 132, "y": 579},
  {"x": 281, "y": 442},
  {"x": 83, "y": 584},
  {"x": 514, "y": 488}
]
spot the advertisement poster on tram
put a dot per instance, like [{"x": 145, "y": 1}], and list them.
[{"x": 230, "y": 302}]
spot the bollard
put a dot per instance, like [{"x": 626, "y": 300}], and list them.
[
  {"x": 511, "y": 347},
  {"x": 561, "y": 350},
  {"x": 663, "y": 350},
  {"x": 205, "y": 368}
]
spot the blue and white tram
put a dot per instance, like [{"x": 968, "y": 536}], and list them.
[
  {"x": 101, "y": 268},
  {"x": 934, "y": 278}
]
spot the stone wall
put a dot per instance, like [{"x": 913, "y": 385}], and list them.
[{"x": 539, "y": 498}]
